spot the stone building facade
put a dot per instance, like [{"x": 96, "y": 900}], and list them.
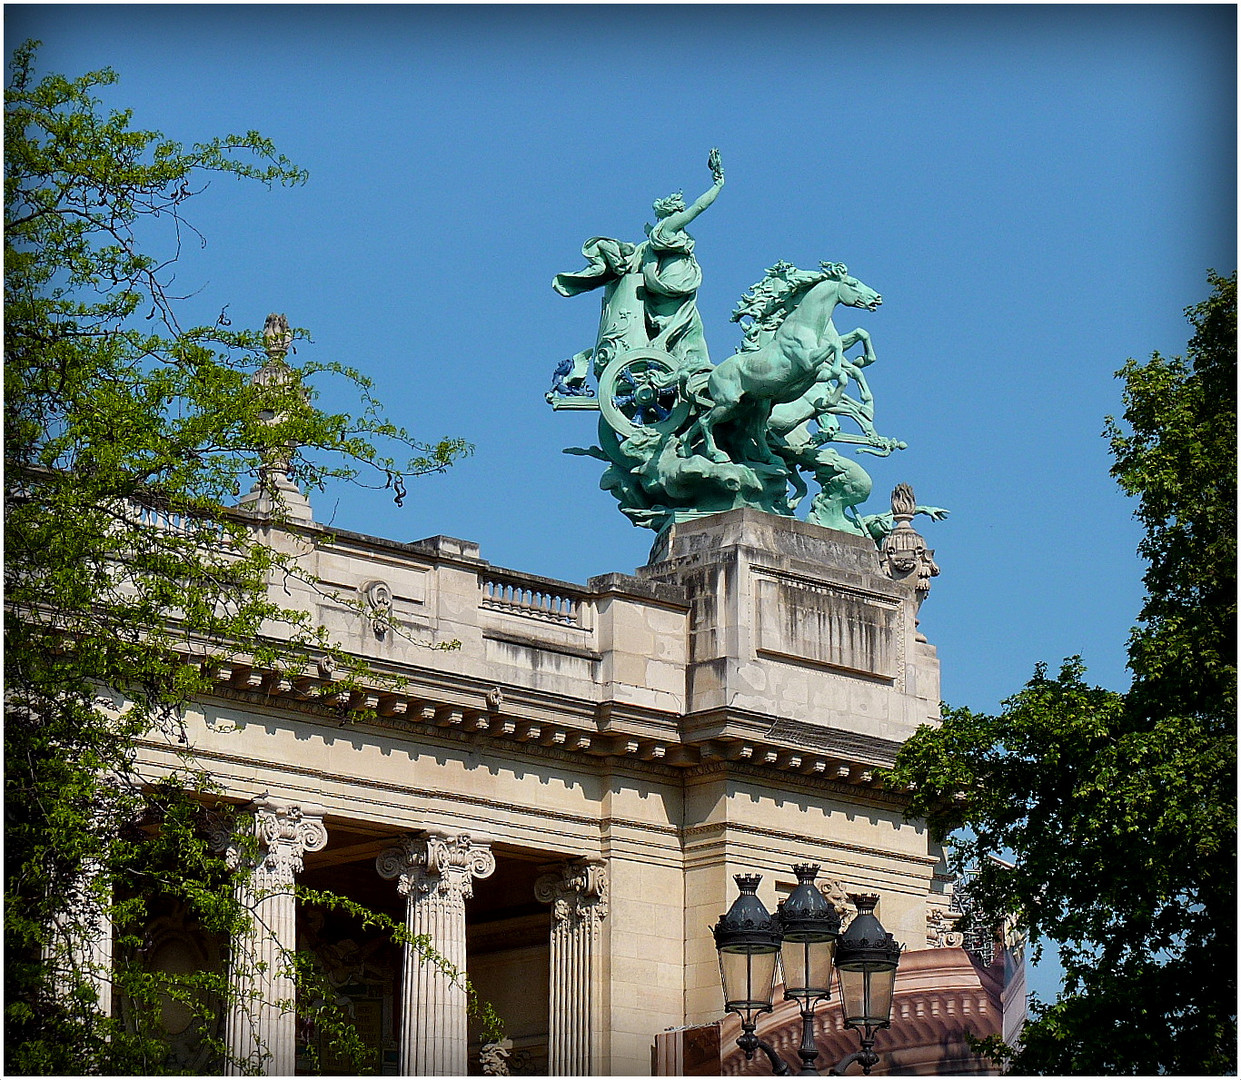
[{"x": 561, "y": 798}]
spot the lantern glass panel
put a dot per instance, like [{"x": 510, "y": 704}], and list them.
[
  {"x": 807, "y": 969},
  {"x": 749, "y": 979},
  {"x": 866, "y": 996}
]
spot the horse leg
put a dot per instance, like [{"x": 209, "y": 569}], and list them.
[
  {"x": 756, "y": 423},
  {"x": 724, "y": 392},
  {"x": 706, "y": 422},
  {"x": 800, "y": 490},
  {"x": 701, "y": 428},
  {"x": 850, "y": 339},
  {"x": 857, "y": 412}
]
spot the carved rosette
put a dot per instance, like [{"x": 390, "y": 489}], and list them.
[
  {"x": 437, "y": 862},
  {"x": 577, "y": 892},
  {"x": 220, "y": 828}
]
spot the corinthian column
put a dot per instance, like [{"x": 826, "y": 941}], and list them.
[
  {"x": 578, "y": 893},
  {"x": 261, "y": 1026},
  {"x": 80, "y": 950},
  {"x": 435, "y": 872}
]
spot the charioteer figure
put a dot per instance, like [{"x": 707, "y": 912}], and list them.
[{"x": 683, "y": 437}]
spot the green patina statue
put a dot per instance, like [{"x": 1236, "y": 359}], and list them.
[{"x": 682, "y": 437}]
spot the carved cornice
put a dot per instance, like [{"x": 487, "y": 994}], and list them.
[
  {"x": 579, "y": 731},
  {"x": 742, "y": 828},
  {"x": 542, "y": 645},
  {"x": 436, "y": 861},
  {"x": 437, "y": 795},
  {"x": 811, "y": 784},
  {"x": 891, "y": 599}
]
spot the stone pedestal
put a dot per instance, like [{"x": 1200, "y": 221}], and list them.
[
  {"x": 261, "y": 1026},
  {"x": 578, "y": 894},
  {"x": 802, "y": 623},
  {"x": 275, "y": 494},
  {"x": 434, "y": 872}
]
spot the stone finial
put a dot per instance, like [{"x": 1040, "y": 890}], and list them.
[
  {"x": 274, "y": 490},
  {"x": 904, "y": 552},
  {"x": 277, "y": 336}
]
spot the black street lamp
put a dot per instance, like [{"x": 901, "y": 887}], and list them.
[
  {"x": 805, "y": 932},
  {"x": 748, "y": 941},
  {"x": 810, "y": 926},
  {"x": 866, "y": 957}
]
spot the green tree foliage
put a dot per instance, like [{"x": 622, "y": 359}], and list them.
[
  {"x": 1120, "y": 808},
  {"x": 127, "y": 439}
]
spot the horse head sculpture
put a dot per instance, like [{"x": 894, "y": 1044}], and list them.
[{"x": 852, "y": 293}]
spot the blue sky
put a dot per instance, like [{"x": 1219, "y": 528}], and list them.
[{"x": 1037, "y": 192}]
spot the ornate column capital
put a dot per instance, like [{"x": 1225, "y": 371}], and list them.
[
  {"x": 577, "y": 890},
  {"x": 284, "y": 832},
  {"x": 436, "y": 860}
]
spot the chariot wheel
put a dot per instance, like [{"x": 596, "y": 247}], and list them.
[{"x": 632, "y": 398}]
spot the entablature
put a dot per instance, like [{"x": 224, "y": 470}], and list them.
[{"x": 515, "y": 719}]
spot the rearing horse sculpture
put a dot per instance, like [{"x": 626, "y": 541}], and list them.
[{"x": 792, "y": 345}]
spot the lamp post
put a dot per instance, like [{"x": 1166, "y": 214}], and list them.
[
  {"x": 810, "y": 926},
  {"x": 748, "y": 941},
  {"x": 805, "y": 932},
  {"x": 866, "y": 957}
]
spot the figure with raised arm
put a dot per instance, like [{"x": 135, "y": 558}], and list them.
[
  {"x": 671, "y": 275},
  {"x": 650, "y": 289}
]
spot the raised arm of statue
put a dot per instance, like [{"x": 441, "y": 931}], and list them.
[{"x": 678, "y": 220}]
